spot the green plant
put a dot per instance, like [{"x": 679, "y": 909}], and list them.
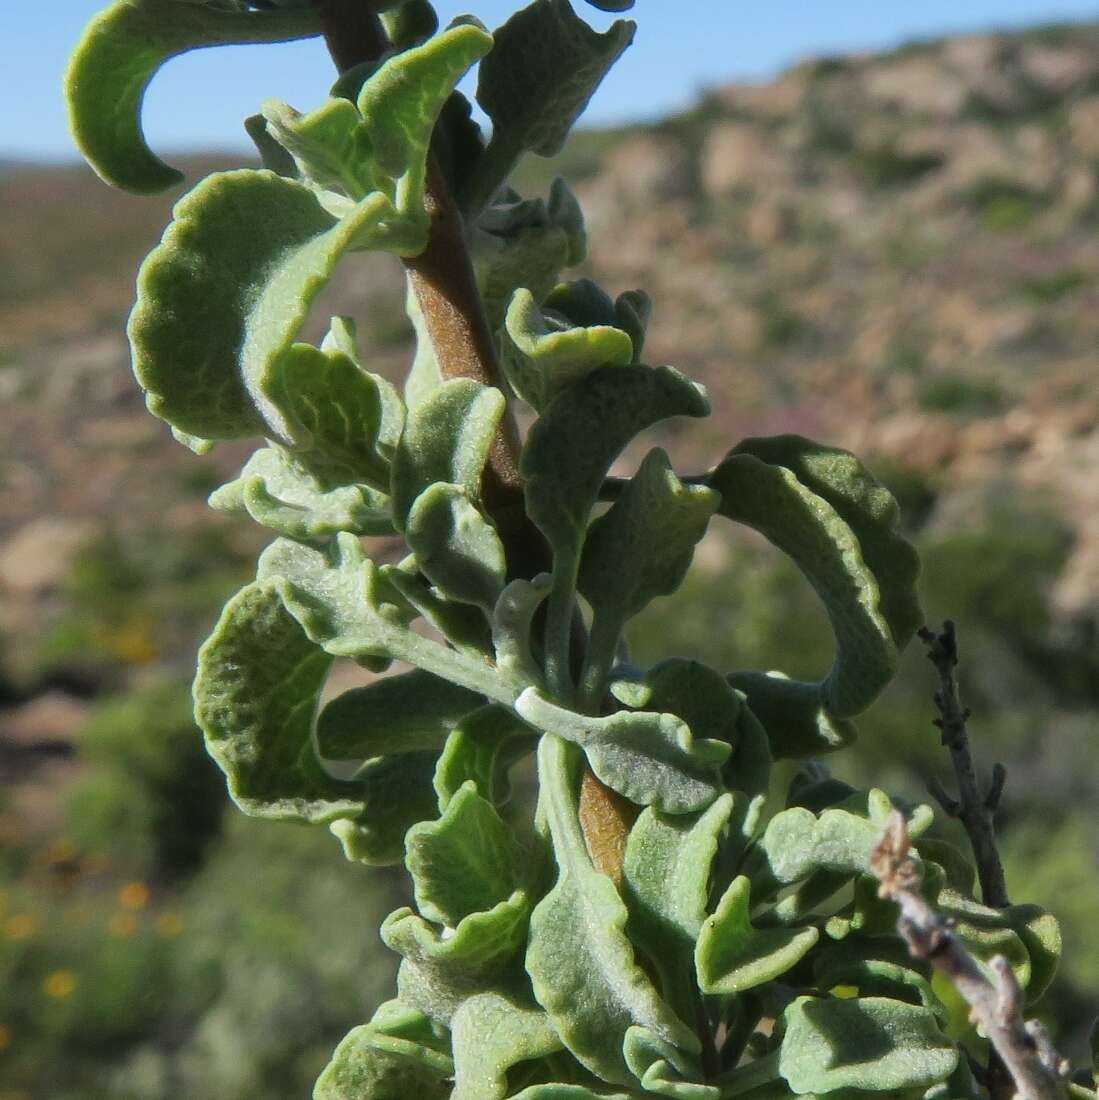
[{"x": 659, "y": 925}]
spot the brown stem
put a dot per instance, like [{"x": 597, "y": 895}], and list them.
[
  {"x": 445, "y": 286},
  {"x": 974, "y": 809}
]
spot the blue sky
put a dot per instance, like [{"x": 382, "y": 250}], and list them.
[{"x": 682, "y": 46}]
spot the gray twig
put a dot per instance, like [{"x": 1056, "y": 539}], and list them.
[
  {"x": 1024, "y": 1047},
  {"x": 971, "y": 807}
]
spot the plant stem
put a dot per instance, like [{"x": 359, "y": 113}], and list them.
[
  {"x": 974, "y": 809},
  {"x": 445, "y": 286}
]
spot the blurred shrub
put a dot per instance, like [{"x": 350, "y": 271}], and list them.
[
  {"x": 961, "y": 395},
  {"x": 154, "y": 798}
]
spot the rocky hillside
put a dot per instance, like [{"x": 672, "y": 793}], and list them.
[{"x": 897, "y": 253}]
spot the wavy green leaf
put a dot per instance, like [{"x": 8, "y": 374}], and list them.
[
  {"x": 256, "y": 692},
  {"x": 463, "y": 625},
  {"x": 411, "y": 712},
  {"x": 443, "y": 969},
  {"x": 567, "y": 455},
  {"x": 277, "y": 492},
  {"x": 662, "y": 1069},
  {"x": 641, "y": 548},
  {"x": 807, "y": 528},
  {"x": 456, "y": 548},
  {"x": 346, "y": 606},
  {"x": 528, "y": 251},
  {"x": 512, "y": 624},
  {"x": 544, "y": 67},
  {"x": 665, "y": 883},
  {"x": 877, "y": 966},
  {"x": 871, "y": 1043},
  {"x": 118, "y": 56},
  {"x": 480, "y": 749},
  {"x": 223, "y": 295},
  {"x": 542, "y": 354},
  {"x": 492, "y": 1033},
  {"x": 579, "y": 958},
  {"x": 465, "y": 862},
  {"x": 397, "y": 794},
  {"x": 336, "y": 413},
  {"x": 867, "y": 507},
  {"x": 650, "y": 758},
  {"x": 732, "y": 956},
  {"x": 399, "y": 1054},
  {"x": 446, "y": 439}
]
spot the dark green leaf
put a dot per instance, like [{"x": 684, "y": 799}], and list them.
[
  {"x": 544, "y": 67},
  {"x": 481, "y": 748}
]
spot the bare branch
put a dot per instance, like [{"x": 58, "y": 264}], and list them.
[
  {"x": 972, "y": 808},
  {"x": 1038, "y": 1072}
]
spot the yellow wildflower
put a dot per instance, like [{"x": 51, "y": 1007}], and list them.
[
  {"x": 169, "y": 924},
  {"x": 20, "y": 925},
  {"x": 134, "y": 895},
  {"x": 59, "y": 984},
  {"x": 122, "y": 925}
]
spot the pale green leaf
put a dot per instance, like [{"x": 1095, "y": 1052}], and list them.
[
  {"x": 869, "y": 1043},
  {"x": 400, "y": 103},
  {"x": 399, "y": 1054},
  {"x": 797, "y": 843},
  {"x": 732, "y": 956},
  {"x": 412, "y": 712},
  {"x": 465, "y": 862},
  {"x": 463, "y": 625},
  {"x": 334, "y": 410},
  {"x": 569, "y": 1092},
  {"x": 456, "y": 548},
  {"x": 648, "y": 757},
  {"x": 256, "y": 693},
  {"x": 480, "y": 749},
  {"x": 663, "y": 1069},
  {"x": 119, "y": 54},
  {"x": 397, "y": 794},
  {"x": 446, "y": 439},
  {"x": 512, "y": 623},
  {"x": 492, "y": 1033},
  {"x": 277, "y": 492},
  {"x": 442, "y": 969},
  {"x": 349, "y": 609},
  {"x": 543, "y": 69},
  {"x": 579, "y": 958},
  {"x": 542, "y": 354},
  {"x": 223, "y": 295},
  {"x": 665, "y": 883},
  {"x": 1041, "y": 935},
  {"x": 272, "y": 155}
]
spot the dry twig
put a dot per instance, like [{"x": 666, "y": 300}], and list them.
[
  {"x": 1024, "y": 1047},
  {"x": 974, "y": 809}
]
